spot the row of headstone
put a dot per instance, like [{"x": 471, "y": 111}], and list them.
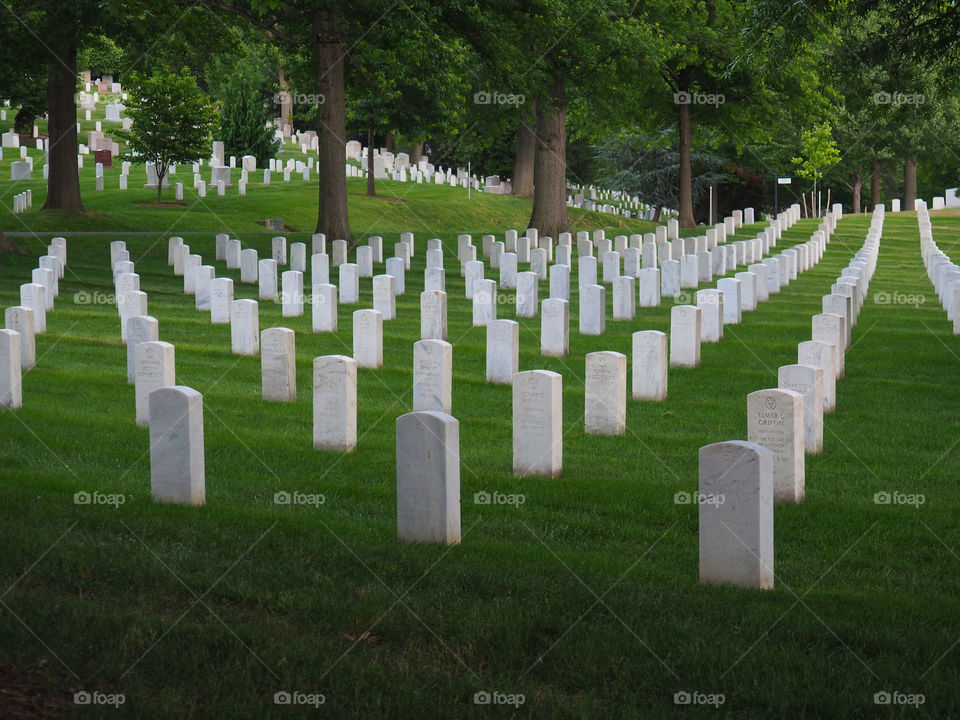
[
  {"x": 23, "y": 322},
  {"x": 942, "y": 271},
  {"x": 690, "y": 326},
  {"x": 740, "y": 481}
]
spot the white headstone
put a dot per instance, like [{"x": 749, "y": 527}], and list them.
[
  {"x": 433, "y": 315},
  {"x": 736, "y": 514},
  {"x": 554, "y": 327},
  {"x": 649, "y": 371},
  {"x": 349, "y": 283},
  {"x": 593, "y": 306},
  {"x": 368, "y": 338},
  {"x": 711, "y": 304},
  {"x": 808, "y": 381},
  {"x": 428, "y": 478},
  {"x": 821, "y": 355},
  {"x": 503, "y": 351},
  {"x": 245, "y": 327},
  {"x": 267, "y": 278},
  {"x": 278, "y": 365},
  {"x": 11, "y": 390},
  {"x": 775, "y": 421},
  {"x": 221, "y": 300},
  {"x": 432, "y": 375},
  {"x": 605, "y": 393},
  {"x": 684, "y": 336},
  {"x": 20, "y": 319},
  {"x": 334, "y": 403},
  {"x": 177, "y": 472},
  {"x": 537, "y": 423},
  {"x": 155, "y": 368},
  {"x": 324, "y": 307},
  {"x": 140, "y": 328}
]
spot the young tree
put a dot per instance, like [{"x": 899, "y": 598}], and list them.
[
  {"x": 172, "y": 121},
  {"x": 818, "y": 152}
]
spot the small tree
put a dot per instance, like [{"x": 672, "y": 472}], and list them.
[
  {"x": 172, "y": 121},
  {"x": 818, "y": 153}
]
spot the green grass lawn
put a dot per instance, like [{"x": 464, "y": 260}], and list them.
[{"x": 585, "y": 598}]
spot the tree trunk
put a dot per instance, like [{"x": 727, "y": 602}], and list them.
[
  {"x": 910, "y": 183},
  {"x": 686, "y": 181},
  {"x": 161, "y": 174},
  {"x": 63, "y": 178},
  {"x": 416, "y": 154},
  {"x": 874, "y": 184},
  {"x": 371, "y": 180},
  {"x": 332, "y": 216},
  {"x": 523, "y": 162},
  {"x": 657, "y": 213},
  {"x": 389, "y": 143},
  {"x": 23, "y": 122},
  {"x": 550, "y": 165},
  {"x": 286, "y": 103},
  {"x": 856, "y": 187}
]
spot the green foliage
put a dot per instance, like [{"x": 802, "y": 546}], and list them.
[
  {"x": 648, "y": 165},
  {"x": 102, "y": 56},
  {"x": 243, "y": 120},
  {"x": 818, "y": 152},
  {"x": 172, "y": 120}
]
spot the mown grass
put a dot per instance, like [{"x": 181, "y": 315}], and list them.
[{"x": 585, "y": 598}]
